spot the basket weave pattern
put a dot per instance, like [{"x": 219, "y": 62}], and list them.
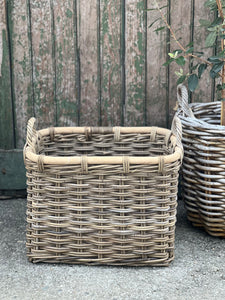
[
  {"x": 94, "y": 213},
  {"x": 203, "y": 166}
]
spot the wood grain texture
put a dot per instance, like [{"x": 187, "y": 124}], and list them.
[
  {"x": 89, "y": 70},
  {"x": 110, "y": 43},
  {"x": 157, "y": 81},
  {"x": 6, "y": 100},
  {"x": 22, "y": 69},
  {"x": 65, "y": 60},
  {"x": 135, "y": 63},
  {"x": 89, "y": 63},
  {"x": 204, "y": 92},
  {"x": 180, "y": 22},
  {"x": 43, "y": 62}
]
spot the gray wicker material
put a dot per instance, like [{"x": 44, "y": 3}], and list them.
[
  {"x": 204, "y": 163},
  {"x": 101, "y": 213}
]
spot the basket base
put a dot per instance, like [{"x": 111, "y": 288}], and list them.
[
  {"x": 147, "y": 263},
  {"x": 212, "y": 229}
]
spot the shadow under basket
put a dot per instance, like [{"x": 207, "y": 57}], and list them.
[
  {"x": 102, "y": 195},
  {"x": 203, "y": 169}
]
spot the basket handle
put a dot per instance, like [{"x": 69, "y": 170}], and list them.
[
  {"x": 182, "y": 98},
  {"x": 31, "y": 130},
  {"x": 176, "y": 129}
]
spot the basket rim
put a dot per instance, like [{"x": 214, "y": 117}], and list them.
[
  {"x": 199, "y": 123},
  {"x": 95, "y": 160},
  {"x": 214, "y": 103}
]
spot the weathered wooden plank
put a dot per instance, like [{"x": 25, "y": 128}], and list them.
[
  {"x": 43, "y": 62},
  {"x": 204, "y": 91},
  {"x": 135, "y": 63},
  {"x": 180, "y": 22},
  {"x": 88, "y": 13},
  {"x": 12, "y": 170},
  {"x": 6, "y": 106},
  {"x": 22, "y": 70},
  {"x": 111, "y": 82},
  {"x": 65, "y": 59},
  {"x": 157, "y": 84}
]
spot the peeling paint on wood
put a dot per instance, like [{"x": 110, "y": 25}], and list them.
[
  {"x": 65, "y": 60},
  {"x": 6, "y": 107},
  {"x": 110, "y": 39},
  {"x": 89, "y": 73},
  {"x": 156, "y": 74},
  {"x": 135, "y": 63},
  {"x": 180, "y": 19},
  {"x": 43, "y": 62},
  {"x": 78, "y": 62},
  {"x": 205, "y": 88},
  {"x": 22, "y": 69}
]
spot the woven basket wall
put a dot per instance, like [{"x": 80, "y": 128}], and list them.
[
  {"x": 203, "y": 169},
  {"x": 101, "y": 195}
]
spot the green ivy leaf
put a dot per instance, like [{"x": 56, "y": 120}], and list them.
[
  {"x": 216, "y": 22},
  {"x": 198, "y": 53},
  {"x": 211, "y": 4},
  {"x": 168, "y": 62},
  {"x": 220, "y": 87},
  {"x": 192, "y": 82},
  {"x": 181, "y": 79},
  {"x": 216, "y": 69},
  {"x": 204, "y": 22},
  {"x": 191, "y": 44},
  {"x": 164, "y": 6},
  {"x": 159, "y": 29},
  {"x": 156, "y": 20},
  {"x": 214, "y": 28},
  {"x": 210, "y": 39},
  {"x": 180, "y": 61},
  {"x": 201, "y": 69},
  {"x": 193, "y": 68},
  {"x": 190, "y": 50},
  {"x": 214, "y": 59}
]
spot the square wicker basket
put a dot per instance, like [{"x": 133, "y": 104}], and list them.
[{"x": 102, "y": 195}]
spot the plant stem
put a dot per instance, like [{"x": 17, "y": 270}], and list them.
[
  {"x": 220, "y": 9},
  {"x": 178, "y": 43},
  {"x": 169, "y": 27}
]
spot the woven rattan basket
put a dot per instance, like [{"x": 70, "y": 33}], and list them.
[
  {"x": 102, "y": 195},
  {"x": 203, "y": 169}
]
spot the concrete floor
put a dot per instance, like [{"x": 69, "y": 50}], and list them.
[{"x": 198, "y": 271}]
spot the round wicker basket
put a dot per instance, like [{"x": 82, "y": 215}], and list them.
[{"x": 203, "y": 170}]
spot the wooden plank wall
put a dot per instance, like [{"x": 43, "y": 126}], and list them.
[
  {"x": 90, "y": 63},
  {"x": 7, "y": 134}
]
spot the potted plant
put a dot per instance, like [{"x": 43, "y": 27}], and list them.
[{"x": 203, "y": 182}]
